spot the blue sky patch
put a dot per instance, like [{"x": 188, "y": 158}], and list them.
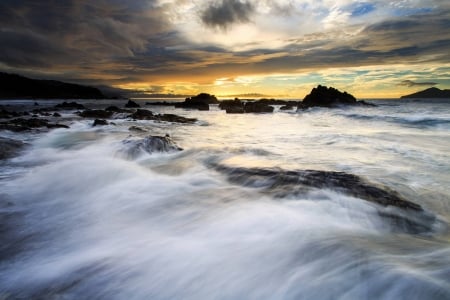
[{"x": 361, "y": 9}]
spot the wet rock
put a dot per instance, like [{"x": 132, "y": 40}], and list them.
[
  {"x": 116, "y": 109},
  {"x": 330, "y": 97},
  {"x": 136, "y": 129},
  {"x": 21, "y": 124},
  {"x": 235, "y": 106},
  {"x": 99, "y": 122},
  {"x": 10, "y": 148},
  {"x": 286, "y": 107},
  {"x": 132, "y": 104},
  {"x": 258, "y": 107},
  {"x": 56, "y": 115},
  {"x": 96, "y": 113},
  {"x": 51, "y": 126},
  {"x": 70, "y": 105},
  {"x": 4, "y": 114},
  {"x": 143, "y": 114},
  {"x": 150, "y": 144},
  {"x": 200, "y": 102},
  {"x": 401, "y": 214}
]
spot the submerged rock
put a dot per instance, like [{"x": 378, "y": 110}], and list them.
[
  {"x": 151, "y": 144},
  {"x": 410, "y": 216},
  {"x": 142, "y": 114},
  {"x": 330, "y": 97},
  {"x": 10, "y": 148}
]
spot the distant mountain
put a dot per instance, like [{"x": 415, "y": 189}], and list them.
[
  {"x": 430, "y": 93},
  {"x": 15, "y": 86}
]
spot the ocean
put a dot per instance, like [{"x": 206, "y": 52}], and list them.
[{"x": 82, "y": 217}]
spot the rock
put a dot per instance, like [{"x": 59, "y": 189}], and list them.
[
  {"x": 232, "y": 106},
  {"x": 70, "y": 105},
  {"x": 96, "y": 114},
  {"x": 36, "y": 104},
  {"x": 116, "y": 109},
  {"x": 99, "y": 122},
  {"x": 143, "y": 114},
  {"x": 4, "y": 114},
  {"x": 159, "y": 103},
  {"x": 174, "y": 118},
  {"x": 257, "y": 107},
  {"x": 323, "y": 96},
  {"x": 10, "y": 148},
  {"x": 136, "y": 129},
  {"x": 132, "y": 104},
  {"x": 286, "y": 107},
  {"x": 56, "y": 115},
  {"x": 406, "y": 215},
  {"x": 429, "y": 93},
  {"x": 51, "y": 126},
  {"x": 150, "y": 144},
  {"x": 21, "y": 124},
  {"x": 200, "y": 102}
]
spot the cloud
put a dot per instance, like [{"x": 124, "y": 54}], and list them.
[
  {"x": 226, "y": 13},
  {"x": 410, "y": 83}
]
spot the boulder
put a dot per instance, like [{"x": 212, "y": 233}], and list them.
[
  {"x": 330, "y": 97},
  {"x": 132, "y": 104},
  {"x": 96, "y": 114},
  {"x": 21, "y": 124},
  {"x": 56, "y": 115},
  {"x": 258, "y": 107},
  {"x": 150, "y": 144},
  {"x": 200, "y": 102},
  {"x": 99, "y": 122},
  {"x": 9, "y": 147},
  {"x": 142, "y": 114},
  {"x": 232, "y": 106},
  {"x": 286, "y": 107}
]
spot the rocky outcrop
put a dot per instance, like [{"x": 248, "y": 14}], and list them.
[
  {"x": 131, "y": 104},
  {"x": 96, "y": 114},
  {"x": 22, "y": 124},
  {"x": 200, "y": 102},
  {"x": 142, "y": 114},
  {"x": 150, "y": 144},
  {"x": 330, "y": 97},
  {"x": 236, "y": 106},
  {"x": 10, "y": 148},
  {"x": 69, "y": 105},
  {"x": 100, "y": 122},
  {"x": 258, "y": 107},
  {"x": 282, "y": 183}
]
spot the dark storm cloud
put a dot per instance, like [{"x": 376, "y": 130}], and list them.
[
  {"x": 410, "y": 83},
  {"x": 227, "y": 12}
]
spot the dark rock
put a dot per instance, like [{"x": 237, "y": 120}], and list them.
[
  {"x": 323, "y": 96},
  {"x": 99, "y": 122},
  {"x": 174, "y": 118},
  {"x": 132, "y": 104},
  {"x": 143, "y": 114},
  {"x": 163, "y": 103},
  {"x": 51, "y": 126},
  {"x": 406, "y": 215},
  {"x": 258, "y": 107},
  {"x": 232, "y": 106},
  {"x": 136, "y": 128},
  {"x": 150, "y": 144},
  {"x": 56, "y": 115},
  {"x": 36, "y": 104},
  {"x": 200, "y": 102},
  {"x": 70, "y": 105},
  {"x": 96, "y": 114},
  {"x": 286, "y": 107},
  {"x": 10, "y": 148},
  {"x": 4, "y": 114},
  {"x": 116, "y": 109}
]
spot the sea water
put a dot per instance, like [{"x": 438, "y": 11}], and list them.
[{"x": 81, "y": 220}]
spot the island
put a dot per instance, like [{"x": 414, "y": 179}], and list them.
[{"x": 429, "y": 93}]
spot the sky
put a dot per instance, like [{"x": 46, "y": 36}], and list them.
[{"x": 277, "y": 48}]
